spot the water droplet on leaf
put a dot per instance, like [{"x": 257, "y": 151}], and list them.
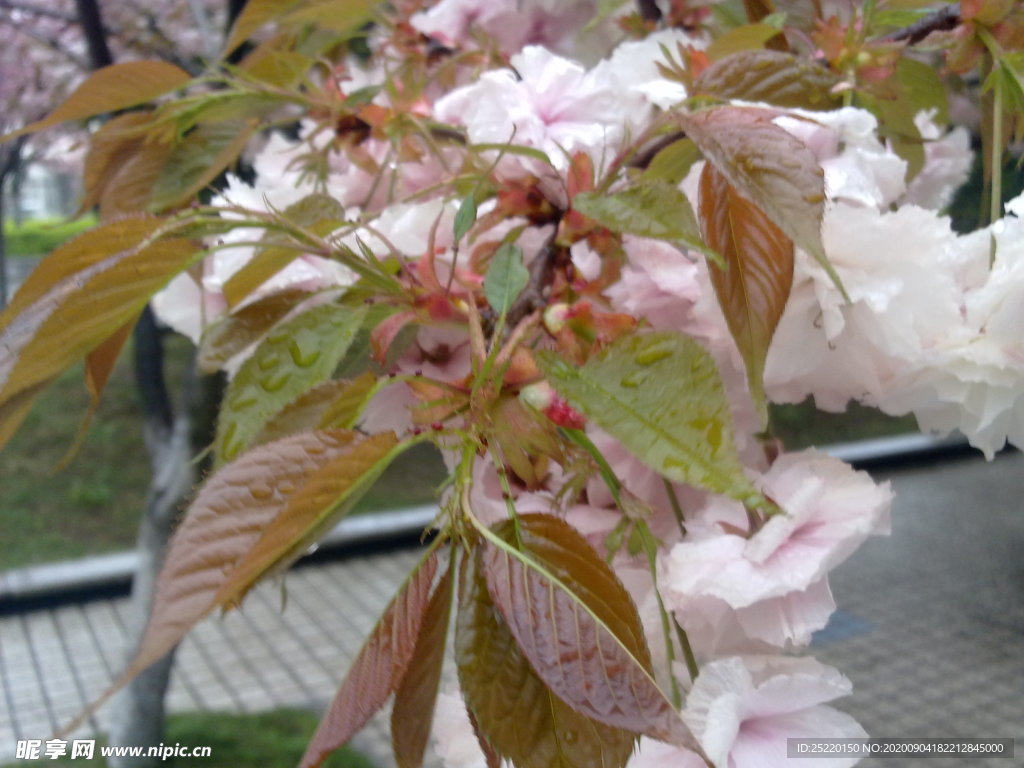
[
  {"x": 261, "y": 492},
  {"x": 653, "y": 354},
  {"x": 275, "y": 382}
]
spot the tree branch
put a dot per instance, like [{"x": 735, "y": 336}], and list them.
[
  {"x": 942, "y": 20},
  {"x": 648, "y": 10},
  {"x": 95, "y": 35},
  {"x": 538, "y": 288}
]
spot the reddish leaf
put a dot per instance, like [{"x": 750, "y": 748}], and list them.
[
  {"x": 384, "y": 334},
  {"x": 220, "y": 527},
  {"x": 227, "y": 518},
  {"x": 771, "y": 77},
  {"x": 379, "y": 667},
  {"x": 516, "y": 713},
  {"x": 754, "y": 286},
  {"x": 774, "y": 169},
  {"x": 413, "y": 711},
  {"x": 575, "y": 622},
  {"x": 327, "y": 492}
]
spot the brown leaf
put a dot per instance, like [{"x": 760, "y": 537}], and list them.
[
  {"x": 379, "y": 667},
  {"x": 99, "y": 364},
  {"x": 328, "y": 491},
  {"x": 774, "y": 169},
  {"x": 81, "y": 294},
  {"x": 222, "y": 524},
  {"x": 413, "y": 711},
  {"x": 333, "y": 404},
  {"x": 516, "y": 712},
  {"x": 575, "y": 622},
  {"x": 129, "y": 188},
  {"x": 245, "y": 326},
  {"x": 771, "y": 77},
  {"x": 112, "y": 89},
  {"x": 754, "y": 287},
  {"x": 119, "y": 137},
  {"x": 228, "y": 517}
]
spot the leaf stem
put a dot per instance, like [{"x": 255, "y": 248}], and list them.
[{"x": 674, "y": 503}]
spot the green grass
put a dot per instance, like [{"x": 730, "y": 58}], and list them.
[
  {"x": 275, "y": 739},
  {"x": 38, "y": 236},
  {"x": 93, "y": 505}
]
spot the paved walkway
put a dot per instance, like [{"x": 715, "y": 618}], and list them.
[{"x": 931, "y": 628}]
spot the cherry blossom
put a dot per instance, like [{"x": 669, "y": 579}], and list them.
[{"x": 774, "y": 580}]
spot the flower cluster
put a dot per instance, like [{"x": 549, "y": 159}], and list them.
[{"x": 927, "y": 326}]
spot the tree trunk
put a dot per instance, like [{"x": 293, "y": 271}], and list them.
[
  {"x": 172, "y": 440},
  {"x": 139, "y": 707},
  {"x": 10, "y": 160},
  {"x": 3, "y": 251}
]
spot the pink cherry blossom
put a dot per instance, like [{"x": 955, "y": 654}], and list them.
[
  {"x": 743, "y": 710},
  {"x": 452, "y": 732},
  {"x": 828, "y": 511},
  {"x": 547, "y": 103}
]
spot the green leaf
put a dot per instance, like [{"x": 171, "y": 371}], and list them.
[
  {"x": 379, "y": 668},
  {"x": 333, "y": 13},
  {"x": 79, "y": 296},
  {"x": 284, "y": 69},
  {"x": 754, "y": 286},
  {"x": 112, "y": 89},
  {"x": 199, "y": 159},
  {"x": 896, "y": 124},
  {"x": 772, "y": 77},
  {"x": 744, "y": 38},
  {"x": 255, "y": 13},
  {"x": 772, "y": 168},
  {"x": 512, "y": 149},
  {"x": 466, "y": 216},
  {"x": 660, "y": 395},
  {"x": 515, "y": 712},
  {"x": 293, "y": 358},
  {"x": 649, "y": 209},
  {"x": 328, "y": 493},
  {"x": 672, "y": 164},
  {"x": 506, "y": 278},
  {"x": 413, "y": 711},
  {"x": 922, "y": 87},
  {"x": 318, "y": 213}
]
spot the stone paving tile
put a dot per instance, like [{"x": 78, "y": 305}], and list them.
[{"x": 930, "y": 629}]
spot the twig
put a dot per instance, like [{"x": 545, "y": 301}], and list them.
[
  {"x": 535, "y": 294},
  {"x": 942, "y": 20}
]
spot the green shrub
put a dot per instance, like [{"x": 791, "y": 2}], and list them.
[{"x": 40, "y": 236}]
